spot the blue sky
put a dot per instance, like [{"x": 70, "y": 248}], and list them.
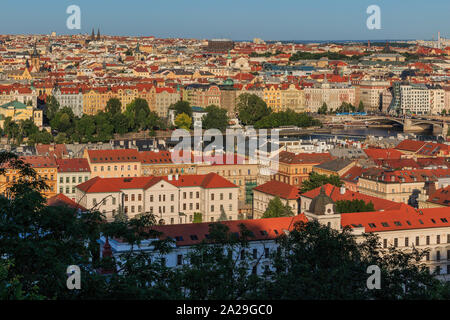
[{"x": 235, "y": 19}]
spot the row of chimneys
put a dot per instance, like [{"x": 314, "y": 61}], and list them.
[{"x": 170, "y": 177}]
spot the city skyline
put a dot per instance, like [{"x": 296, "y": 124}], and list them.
[{"x": 289, "y": 20}]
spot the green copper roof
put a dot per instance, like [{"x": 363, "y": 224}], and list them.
[{"x": 15, "y": 104}]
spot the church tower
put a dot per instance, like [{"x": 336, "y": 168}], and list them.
[
  {"x": 98, "y": 35},
  {"x": 35, "y": 59},
  {"x": 93, "y": 35}
]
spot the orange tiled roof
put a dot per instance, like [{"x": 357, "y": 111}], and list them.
[{"x": 280, "y": 189}]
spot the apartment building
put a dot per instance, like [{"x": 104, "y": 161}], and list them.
[
  {"x": 294, "y": 168},
  {"x": 421, "y": 99},
  {"x": 46, "y": 169},
  {"x": 113, "y": 163},
  {"x": 331, "y": 94},
  {"x": 370, "y": 92},
  {"x": 266, "y": 192},
  {"x": 70, "y": 97},
  {"x": 71, "y": 172},
  {"x": 397, "y": 185},
  {"x": 165, "y": 97},
  {"x": 172, "y": 199}
]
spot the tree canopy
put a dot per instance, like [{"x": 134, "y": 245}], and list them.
[
  {"x": 317, "y": 180},
  {"x": 215, "y": 118},
  {"x": 251, "y": 109},
  {"x": 276, "y": 209}
]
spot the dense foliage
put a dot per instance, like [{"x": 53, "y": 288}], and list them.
[
  {"x": 276, "y": 209},
  {"x": 215, "y": 118},
  {"x": 317, "y": 180},
  {"x": 251, "y": 109},
  {"x": 348, "y": 206},
  {"x": 68, "y": 128}
]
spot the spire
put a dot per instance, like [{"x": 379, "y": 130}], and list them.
[
  {"x": 98, "y": 34},
  {"x": 93, "y": 35}
]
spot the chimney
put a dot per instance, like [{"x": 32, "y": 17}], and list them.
[
  {"x": 176, "y": 177},
  {"x": 343, "y": 189},
  {"x": 393, "y": 178},
  {"x": 170, "y": 177}
]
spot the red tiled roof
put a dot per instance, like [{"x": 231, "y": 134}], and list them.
[
  {"x": 102, "y": 185},
  {"x": 304, "y": 158},
  {"x": 410, "y": 145},
  {"x": 53, "y": 150},
  {"x": 334, "y": 193},
  {"x": 262, "y": 229},
  {"x": 280, "y": 189},
  {"x": 441, "y": 197},
  {"x": 73, "y": 165},
  {"x": 40, "y": 161},
  {"x": 61, "y": 200},
  {"x": 402, "y": 219},
  {"x": 118, "y": 155},
  {"x": 375, "y": 153}
]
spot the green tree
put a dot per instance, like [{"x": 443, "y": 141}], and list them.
[
  {"x": 137, "y": 113},
  {"x": 323, "y": 109},
  {"x": 52, "y": 106},
  {"x": 276, "y": 209},
  {"x": 182, "y": 107},
  {"x": 361, "y": 107},
  {"x": 317, "y": 180},
  {"x": 183, "y": 121},
  {"x": 215, "y": 118},
  {"x": 113, "y": 106},
  {"x": 251, "y": 108},
  {"x": 349, "y": 206}
]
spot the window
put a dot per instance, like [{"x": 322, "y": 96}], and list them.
[
  {"x": 184, "y": 195},
  {"x": 438, "y": 270},
  {"x": 396, "y": 242},
  {"x": 151, "y": 198},
  {"x": 212, "y": 208},
  {"x": 198, "y": 194},
  {"x": 266, "y": 252},
  {"x": 438, "y": 255},
  {"x": 132, "y": 197},
  {"x": 406, "y": 242},
  {"x": 230, "y": 196},
  {"x": 172, "y": 197},
  {"x": 212, "y": 196},
  {"x": 417, "y": 241},
  {"x": 428, "y": 240},
  {"x": 438, "y": 239},
  {"x": 179, "y": 259},
  {"x": 139, "y": 197},
  {"x": 221, "y": 196},
  {"x": 384, "y": 243}
]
